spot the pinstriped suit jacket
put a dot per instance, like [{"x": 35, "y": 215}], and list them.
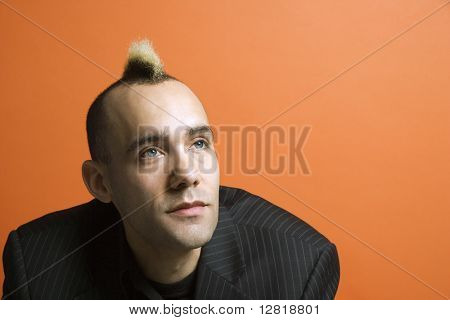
[{"x": 258, "y": 251}]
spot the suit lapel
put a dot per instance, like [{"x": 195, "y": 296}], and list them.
[{"x": 221, "y": 263}]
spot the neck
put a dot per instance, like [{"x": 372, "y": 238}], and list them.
[{"x": 163, "y": 265}]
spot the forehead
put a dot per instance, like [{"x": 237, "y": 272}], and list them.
[{"x": 167, "y": 106}]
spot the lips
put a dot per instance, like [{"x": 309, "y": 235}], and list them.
[{"x": 188, "y": 208}]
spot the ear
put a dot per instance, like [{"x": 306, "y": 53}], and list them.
[{"x": 95, "y": 181}]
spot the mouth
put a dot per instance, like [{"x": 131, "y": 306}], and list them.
[{"x": 188, "y": 209}]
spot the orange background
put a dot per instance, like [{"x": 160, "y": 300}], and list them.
[{"x": 379, "y": 149}]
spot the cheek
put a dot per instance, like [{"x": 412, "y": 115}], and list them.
[
  {"x": 134, "y": 186},
  {"x": 211, "y": 177},
  {"x": 147, "y": 184},
  {"x": 208, "y": 164}
]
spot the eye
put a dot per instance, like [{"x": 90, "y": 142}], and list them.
[
  {"x": 200, "y": 144},
  {"x": 150, "y": 153}
]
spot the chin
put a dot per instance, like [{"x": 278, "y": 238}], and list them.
[
  {"x": 193, "y": 236},
  {"x": 194, "y": 240}
]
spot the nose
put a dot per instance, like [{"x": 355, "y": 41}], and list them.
[{"x": 183, "y": 172}]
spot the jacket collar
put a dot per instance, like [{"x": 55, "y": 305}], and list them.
[{"x": 221, "y": 262}]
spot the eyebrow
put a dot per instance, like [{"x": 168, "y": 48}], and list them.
[
  {"x": 193, "y": 131},
  {"x": 164, "y": 135}
]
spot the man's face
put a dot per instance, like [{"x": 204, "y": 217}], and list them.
[{"x": 158, "y": 163}]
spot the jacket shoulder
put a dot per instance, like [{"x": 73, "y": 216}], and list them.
[
  {"x": 49, "y": 252},
  {"x": 251, "y": 211},
  {"x": 65, "y": 218},
  {"x": 285, "y": 257}
]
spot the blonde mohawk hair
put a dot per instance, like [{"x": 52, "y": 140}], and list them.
[
  {"x": 143, "y": 67},
  {"x": 143, "y": 63}
]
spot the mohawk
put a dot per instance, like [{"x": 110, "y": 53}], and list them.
[
  {"x": 143, "y": 66},
  {"x": 143, "y": 63}
]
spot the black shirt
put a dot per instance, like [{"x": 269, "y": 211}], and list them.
[
  {"x": 183, "y": 289},
  {"x": 139, "y": 287}
]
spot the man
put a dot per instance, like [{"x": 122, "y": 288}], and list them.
[{"x": 160, "y": 226}]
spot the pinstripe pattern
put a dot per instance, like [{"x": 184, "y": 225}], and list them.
[{"x": 258, "y": 251}]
